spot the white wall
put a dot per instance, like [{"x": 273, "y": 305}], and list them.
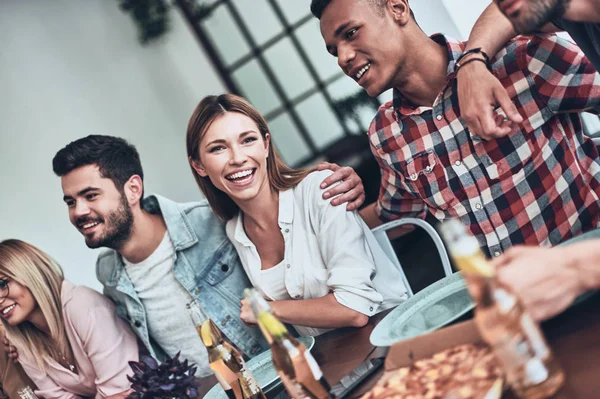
[
  {"x": 464, "y": 13},
  {"x": 72, "y": 68}
]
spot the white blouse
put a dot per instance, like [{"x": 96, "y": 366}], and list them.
[{"x": 327, "y": 249}]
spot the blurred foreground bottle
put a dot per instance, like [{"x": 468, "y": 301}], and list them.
[
  {"x": 297, "y": 368},
  {"x": 27, "y": 393},
  {"x": 225, "y": 360},
  {"x": 502, "y": 320}
]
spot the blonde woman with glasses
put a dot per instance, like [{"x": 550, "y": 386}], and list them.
[{"x": 69, "y": 339}]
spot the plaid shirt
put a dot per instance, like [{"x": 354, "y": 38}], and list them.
[{"x": 540, "y": 185}]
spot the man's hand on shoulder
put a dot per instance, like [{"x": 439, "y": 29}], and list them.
[
  {"x": 479, "y": 93},
  {"x": 350, "y": 190},
  {"x": 545, "y": 278}
]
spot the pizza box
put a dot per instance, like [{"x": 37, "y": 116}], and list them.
[{"x": 402, "y": 353}]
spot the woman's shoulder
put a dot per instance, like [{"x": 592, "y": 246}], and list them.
[
  {"x": 311, "y": 184},
  {"x": 80, "y": 299}
]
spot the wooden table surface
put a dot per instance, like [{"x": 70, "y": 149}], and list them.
[{"x": 574, "y": 337}]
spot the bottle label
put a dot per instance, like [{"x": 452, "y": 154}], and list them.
[
  {"x": 248, "y": 379},
  {"x": 27, "y": 393},
  {"x": 532, "y": 331},
  {"x": 535, "y": 371},
  {"x": 314, "y": 367}
]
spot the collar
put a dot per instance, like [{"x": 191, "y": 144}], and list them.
[
  {"x": 181, "y": 234},
  {"x": 454, "y": 48},
  {"x": 285, "y": 217}
]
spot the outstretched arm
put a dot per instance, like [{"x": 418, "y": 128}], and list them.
[
  {"x": 479, "y": 92},
  {"x": 549, "y": 279}
]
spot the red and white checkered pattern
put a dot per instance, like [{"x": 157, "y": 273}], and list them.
[{"x": 538, "y": 186}]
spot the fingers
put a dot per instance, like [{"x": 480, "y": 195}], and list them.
[
  {"x": 328, "y": 166},
  {"x": 503, "y": 99},
  {"x": 354, "y": 205},
  {"x": 339, "y": 174},
  {"x": 349, "y": 197}
]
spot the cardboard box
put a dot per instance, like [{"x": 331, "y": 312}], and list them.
[
  {"x": 430, "y": 344},
  {"x": 403, "y": 353}
]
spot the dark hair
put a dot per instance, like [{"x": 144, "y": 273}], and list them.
[
  {"x": 281, "y": 176},
  {"x": 116, "y": 159},
  {"x": 318, "y": 6}
]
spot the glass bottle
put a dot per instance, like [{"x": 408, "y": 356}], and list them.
[
  {"x": 297, "y": 368},
  {"x": 26, "y": 393},
  {"x": 503, "y": 322},
  {"x": 225, "y": 360}
]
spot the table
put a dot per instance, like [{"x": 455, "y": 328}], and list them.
[{"x": 574, "y": 337}]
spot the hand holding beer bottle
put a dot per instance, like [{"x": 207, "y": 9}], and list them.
[
  {"x": 225, "y": 360},
  {"x": 502, "y": 320},
  {"x": 297, "y": 368}
]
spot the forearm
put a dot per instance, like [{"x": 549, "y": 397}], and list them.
[
  {"x": 491, "y": 31},
  {"x": 324, "y": 312},
  {"x": 585, "y": 258},
  {"x": 370, "y": 217}
]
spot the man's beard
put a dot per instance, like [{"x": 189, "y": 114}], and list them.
[
  {"x": 538, "y": 14},
  {"x": 119, "y": 225}
]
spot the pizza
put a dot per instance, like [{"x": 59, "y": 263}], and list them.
[{"x": 467, "y": 371}]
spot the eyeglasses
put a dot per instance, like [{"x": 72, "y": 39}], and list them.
[{"x": 4, "y": 289}]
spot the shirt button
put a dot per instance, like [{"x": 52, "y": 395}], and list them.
[
  {"x": 137, "y": 323},
  {"x": 287, "y": 230},
  {"x": 224, "y": 267},
  {"x": 439, "y": 117},
  {"x": 457, "y": 163},
  {"x": 496, "y": 254},
  {"x": 414, "y": 177},
  {"x": 288, "y": 265},
  {"x": 371, "y": 308},
  {"x": 297, "y": 297},
  {"x": 478, "y": 205},
  {"x": 428, "y": 169}
]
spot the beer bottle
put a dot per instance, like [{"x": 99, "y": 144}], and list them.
[
  {"x": 297, "y": 368},
  {"x": 503, "y": 322},
  {"x": 27, "y": 393},
  {"x": 225, "y": 360}
]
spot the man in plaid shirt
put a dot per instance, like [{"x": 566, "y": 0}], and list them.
[{"x": 538, "y": 185}]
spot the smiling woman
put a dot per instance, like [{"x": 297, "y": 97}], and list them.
[
  {"x": 69, "y": 339},
  {"x": 314, "y": 261}
]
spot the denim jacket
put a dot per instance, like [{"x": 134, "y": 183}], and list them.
[{"x": 206, "y": 264}]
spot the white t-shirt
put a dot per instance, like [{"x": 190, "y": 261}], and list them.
[
  {"x": 273, "y": 283},
  {"x": 165, "y": 299},
  {"x": 327, "y": 249}
]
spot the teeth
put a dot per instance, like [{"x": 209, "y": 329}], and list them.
[
  {"x": 362, "y": 71},
  {"x": 239, "y": 175},
  {"x": 9, "y": 308},
  {"x": 88, "y": 225}
]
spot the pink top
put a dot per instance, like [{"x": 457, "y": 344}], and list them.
[{"x": 102, "y": 344}]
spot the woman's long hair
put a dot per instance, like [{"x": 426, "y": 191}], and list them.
[
  {"x": 281, "y": 177},
  {"x": 35, "y": 270}
]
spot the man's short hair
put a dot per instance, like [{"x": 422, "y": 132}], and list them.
[
  {"x": 318, "y": 6},
  {"x": 116, "y": 159}
]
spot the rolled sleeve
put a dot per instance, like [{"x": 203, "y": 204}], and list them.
[{"x": 349, "y": 262}]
